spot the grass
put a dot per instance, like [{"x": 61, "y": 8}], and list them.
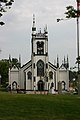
[{"x": 39, "y": 107}]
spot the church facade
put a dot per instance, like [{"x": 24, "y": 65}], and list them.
[{"x": 39, "y": 74}]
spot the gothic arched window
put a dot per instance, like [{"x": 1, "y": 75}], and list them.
[
  {"x": 51, "y": 75},
  {"x": 29, "y": 74},
  {"x": 40, "y": 48},
  {"x": 40, "y": 68}
]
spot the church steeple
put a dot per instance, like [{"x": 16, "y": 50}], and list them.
[{"x": 33, "y": 26}]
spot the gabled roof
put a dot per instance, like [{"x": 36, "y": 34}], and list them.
[
  {"x": 62, "y": 67},
  {"x": 52, "y": 66},
  {"x": 14, "y": 68},
  {"x": 26, "y": 66}
]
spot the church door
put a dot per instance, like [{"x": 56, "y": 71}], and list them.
[{"x": 40, "y": 85}]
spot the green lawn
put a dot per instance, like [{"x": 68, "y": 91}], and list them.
[{"x": 39, "y": 107}]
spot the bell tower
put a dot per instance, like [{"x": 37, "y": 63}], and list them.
[{"x": 39, "y": 57}]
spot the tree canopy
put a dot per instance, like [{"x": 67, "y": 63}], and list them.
[
  {"x": 4, "y": 5},
  {"x": 4, "y": 68},
  {"x": 71, "y": 12}
]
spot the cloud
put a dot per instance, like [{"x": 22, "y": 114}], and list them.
[{"x": 16, "y": 34}]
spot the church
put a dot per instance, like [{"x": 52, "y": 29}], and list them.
[{"x": 39, "y": 74}]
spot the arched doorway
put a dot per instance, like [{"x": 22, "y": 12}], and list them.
[
  {"x": 63, "y": 85},
  {"x": 40, "y": 85},
  {"x": 14, "y": 85}
]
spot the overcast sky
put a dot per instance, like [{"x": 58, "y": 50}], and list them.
[{"x": 15, "y": 35}]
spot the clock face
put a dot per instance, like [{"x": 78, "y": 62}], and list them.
[{"x": 40, "y": 65}]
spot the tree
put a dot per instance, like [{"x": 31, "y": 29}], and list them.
[
  {"x": 71, "y": 12},
  {"x": 4, "y": 68},
  {"x": 15, "y": 62},
  {"x": 4, "y": 5}
]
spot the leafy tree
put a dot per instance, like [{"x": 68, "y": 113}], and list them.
[
  {"x": 4, "y": 68},
  {"x": 4, "y": 5},
  {"x": 71, "y": 12},
  {"x": 15, "y": 62}
]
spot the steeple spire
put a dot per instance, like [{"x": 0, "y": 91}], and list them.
[
  {"x": 19, "y": 60},
  {"x": 67, "y": 62},
  {"x": 57, "y": 61},
  {"x": 45, "y": 30},
  {"x": 33, "y": 26},
  {"x": 64, "y": 61},
  {"x": 33, "y": 20},
  {"x": 9, "y": 58},
  {"x": 10, "y": 61}
]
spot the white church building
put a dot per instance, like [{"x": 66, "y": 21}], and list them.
[{"x": 39, "y": 74}]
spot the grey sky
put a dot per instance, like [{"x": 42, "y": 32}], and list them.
[{"x": 15, "y": 36}]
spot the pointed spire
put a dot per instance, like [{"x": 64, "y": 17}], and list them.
[
  {"x": 10, "y": 65},
  {"x": 67, "y": 62},
  {"x": 45, "y": 30},
  {"x": 9, "y": 58},
  {"x": 33, "y": 20},
  {"x": 19, "y": 60},
  {"x": 40, "y": 30},
  {"x": 64, "y": 60},
  {"x": 57, "y": 61},
  {"x": 33, "y": 26}
]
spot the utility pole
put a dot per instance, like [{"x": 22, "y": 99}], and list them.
[
  {"x": 78, "y": 57},
  {"x": 72, "y": 13}
]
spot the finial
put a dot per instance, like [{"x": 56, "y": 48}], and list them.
[
  {"x": 40, "y": 30},
  {"x": 67, "y": 59},
  {"x": 45, "y": 29},
  {"x": 19, "y": 60},
  {"x": 33, "y": 20},
  {"x": 67, "y": 62},
  {"x": 9, "y": 58},
  {"x": 10, "y": 65},
  {"x": 57, "y": 61},
  {"x": 33, "y": 27},
  {"x": 64, "y": 60}
]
